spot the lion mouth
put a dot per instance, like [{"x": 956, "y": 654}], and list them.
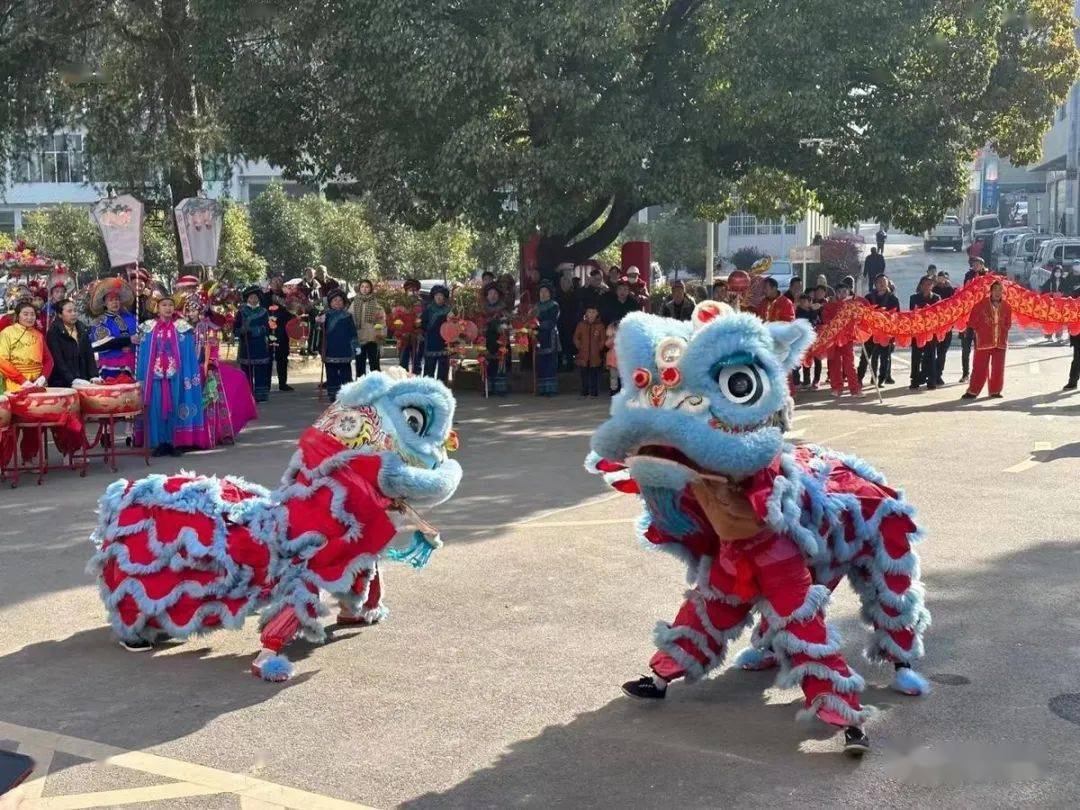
[
  {"x": 664, "y": 452},
  {"x": 776, "y": 420}
]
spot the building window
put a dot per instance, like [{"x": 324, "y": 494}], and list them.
[
  {"x": 7, "y": 222},
  {"x": 744, "y": 224},
  {"x": 58, "y": 159}
]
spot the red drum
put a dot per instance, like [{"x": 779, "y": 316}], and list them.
[
  {"x": 51, "y": 405},
  {"x": 5, "y": 412},
  {"x": 110, "y": 400}
]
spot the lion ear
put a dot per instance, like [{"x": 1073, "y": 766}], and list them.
[
  {"x": 708, "y": 311},
  {"x": 790, "y": 340}
]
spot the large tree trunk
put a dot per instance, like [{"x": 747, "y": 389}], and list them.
[
  {"x": 555, "y": 249},
  {"x": 185, "y": 175}
]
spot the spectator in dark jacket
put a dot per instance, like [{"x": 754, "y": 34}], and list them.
[
  {"x": 924, "y": 358},
  {"x": 873, "y": 266},
  {"x": 617, "y": 303},
  {"x": 880, "y": 354},
  {"x": 806, "y": 310},
  {"x": 69, "y": 345},
  {"x": 592, "y": 294},
  {"x": 680, "y": 306},
  {"x": 944, "y": 289}
]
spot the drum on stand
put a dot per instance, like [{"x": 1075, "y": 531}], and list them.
[
  {"x": 50, "y": 406},
  {"x": 120, "y": 399}
]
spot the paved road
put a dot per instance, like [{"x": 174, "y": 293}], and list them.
[{"x": 495, "y": 681}]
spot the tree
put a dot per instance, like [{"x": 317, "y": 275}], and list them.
[
  {"x": 284, "y": 237},
  {"x": 562, "y": 119},
  {"x": 142, "y": 78},
  {"x": 66, "y": 234},
  {"x": 237, "y": 260},
  {"x": 678, "y": 241},
  {"x": 345, "y": 238}
]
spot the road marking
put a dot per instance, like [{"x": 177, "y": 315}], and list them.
[
  {"x": 190, "y": 779},
  {"x": 795, "y": 434},
  {"x": 582, "y": 505},
  {"x": 1031, "y": 461}
]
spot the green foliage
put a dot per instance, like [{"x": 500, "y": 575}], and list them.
[
  {"x": 66, "y": 234},
  {"x": 839, "y": 258},
  {"x": 744, "y": 257},
  {"x": 284, "y": 236},
  {"x": 237, "y": 260},
  {"x": 159, "y": 246},
  {"x": 551, "y": 117},
  {"x": 345, "y": 239}
]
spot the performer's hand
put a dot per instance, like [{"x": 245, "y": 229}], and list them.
[
  {"x": 41, "y": 382},
  {"x": 320, "y": 319},
  {"x": 79, "y": 383},
  {"x": 136, "y": 339},
  {"x": 27, "y": 384},
  {"x": 97, "y": 380}
]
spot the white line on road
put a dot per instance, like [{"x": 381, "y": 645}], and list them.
[{"x": 1031, "y": 461}]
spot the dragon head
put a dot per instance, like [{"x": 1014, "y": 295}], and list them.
[
  {"x": 404, "y": 420},
  {"x": 709, "y": 395}
]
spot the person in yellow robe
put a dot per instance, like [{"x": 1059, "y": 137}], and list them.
[{"x": 24, "y": 357}]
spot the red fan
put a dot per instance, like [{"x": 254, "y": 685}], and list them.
[
  {"x": 470, "y": 331},
  {"x": 450, "y": 331}
]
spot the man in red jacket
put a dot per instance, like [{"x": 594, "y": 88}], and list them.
[
  {"x": 841, "y": 359},
  {"x": 774, "y": 306},
  {"x": 990, "y": 321}
]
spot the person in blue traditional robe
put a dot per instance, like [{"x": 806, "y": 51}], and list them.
[
  {"x": 172, "y": 384},
  {"x": 114, "y": 335},
  {"x": 547, "y": 343},
  {"x": 252, "y": 330},
  {"x": 341, "y": 343},
  {"x": 436, "y": 354}
]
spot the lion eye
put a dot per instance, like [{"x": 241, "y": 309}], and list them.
[
  {"x": 742, "y": 384},
  {"x": 416, "y": 419}
]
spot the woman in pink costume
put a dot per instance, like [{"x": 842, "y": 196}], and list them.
[{"x": 227, "y": 399}]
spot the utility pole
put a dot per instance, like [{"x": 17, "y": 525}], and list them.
[{"x": 710, "y": 251}]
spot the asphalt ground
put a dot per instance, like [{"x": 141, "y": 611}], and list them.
[{"x": 495, "y": 682}]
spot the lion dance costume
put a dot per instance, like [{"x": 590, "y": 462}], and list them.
[
  {"x": 764, "y": 527},
  {"x": 184, "y": 554}
]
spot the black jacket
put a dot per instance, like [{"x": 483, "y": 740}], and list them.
[
  {"x": 873, "y": 266},
  {"x": 590, "y": 298},
  {"x": 886, "y": 300},
  {"x": 680, "y": 312},
  {"x": 72, "y": 359},
  {"x": 918, "y": 302},
  {"x": 612, "y": 310}
]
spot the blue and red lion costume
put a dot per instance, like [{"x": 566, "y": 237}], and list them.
[
  {"x": 185, "y": 554},
  {"x": 764, "y": 527}
]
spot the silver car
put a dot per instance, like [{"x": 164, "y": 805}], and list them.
[{"x": 1021, "y": 254}]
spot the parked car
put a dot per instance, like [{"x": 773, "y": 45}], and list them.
[
  {"x": 996, "y": 258},
  {"x": 782, "y": 271},
  {"x": 983, "y": 227},
  {"x": 949, "y": 233},
  {"x": 1063, "y": 250},
  {"x": 1021, "y": 254}
]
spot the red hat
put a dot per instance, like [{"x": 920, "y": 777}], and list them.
[
  {"x": 187, "y": 281},
  {"x": 138, "y": 274}
]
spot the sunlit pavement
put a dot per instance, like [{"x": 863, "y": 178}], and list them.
[{"x": 495, "y": 681}]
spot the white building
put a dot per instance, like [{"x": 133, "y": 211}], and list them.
[
  {"x": 57, "y": 173},
  {"x": 774, "y": 237}
]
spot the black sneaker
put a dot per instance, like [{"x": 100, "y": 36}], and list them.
[
  {"x": 967, "y": 395},
  {"x": 285, "y": 388},
  {"x": 890, "y": 381},
  {"x": 965, "y": 377},
  {"x": 997, "y": 396},
  {"x": 1069, "y": 387},
  {"x": 913, "y": 387},
  {"x": 137, "y": 645},
  {"x": 644, "y": 688},
  {"x": 175, "y": 452},
  {"x": 856, "y": 741},
  {"x": 159, "y": 451}
]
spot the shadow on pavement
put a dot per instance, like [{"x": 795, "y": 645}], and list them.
[{"x": 1002, "y": 655}]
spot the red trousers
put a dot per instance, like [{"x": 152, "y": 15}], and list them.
[
  {"x": 988, "y": 361},
  {"x": 768, "y": 570},
  {"x": 841, "y": 363},
  {"x": 282, "y": 629}
]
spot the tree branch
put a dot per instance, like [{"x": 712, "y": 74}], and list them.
[{"x": 622, "y": 210}]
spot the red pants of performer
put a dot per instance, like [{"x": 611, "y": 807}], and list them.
[
  {"x": 769, "y": 570},
  {"x": 281, "y": 630},
  {"x": 841, "y": 363},
  {"x": 988, "y": 361}
]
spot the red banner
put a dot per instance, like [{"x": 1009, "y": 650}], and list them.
[{"x": 859, "y": 320}]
